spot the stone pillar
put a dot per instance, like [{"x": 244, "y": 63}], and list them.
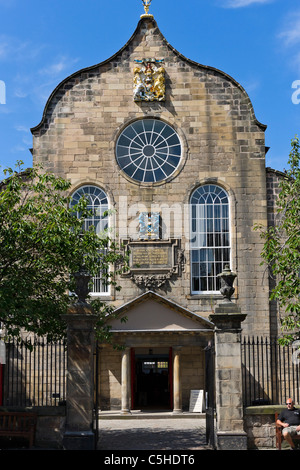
[
  {"x": 125, "y": 381},
  {"x": 177, "y": 402},
  {"x": 80, "y": 322},
  {"x": 228, "y": 368}
]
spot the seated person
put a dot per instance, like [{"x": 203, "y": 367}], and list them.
[{"x": 289, "y": 419}]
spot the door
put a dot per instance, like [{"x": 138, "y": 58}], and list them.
[{"x": 151, "y": 382}]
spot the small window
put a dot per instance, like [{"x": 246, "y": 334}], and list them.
[
  {"x": 98, "y": 207},
  {"x": 210, "y": 237}
]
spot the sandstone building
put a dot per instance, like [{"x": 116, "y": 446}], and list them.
[{"x": 175, "y": 148}]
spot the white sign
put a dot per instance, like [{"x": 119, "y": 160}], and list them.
[
  {"x": 196, "y": 401},
  {"x": 2, "y": 352}
]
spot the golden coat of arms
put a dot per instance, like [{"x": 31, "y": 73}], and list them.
[{"x": 149, "y": 80}]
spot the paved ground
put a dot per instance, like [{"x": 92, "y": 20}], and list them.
[
  {"x": 160, "y": 433},
  {"x": 143, "y": 432}
]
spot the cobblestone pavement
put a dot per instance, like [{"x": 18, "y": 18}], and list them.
[{"x": 152, "y": 434}]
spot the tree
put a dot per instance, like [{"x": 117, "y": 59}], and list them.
[
  {"x": 281, "y": 250},
  {"x": 42, "y": 243}
]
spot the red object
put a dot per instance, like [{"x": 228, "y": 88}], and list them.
[
  {"x": 132, "y": 353},
  {"x": 171, "y": 376},
  {"x": 1, "y": 384}
]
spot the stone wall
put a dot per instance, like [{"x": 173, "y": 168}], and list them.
[
  {"x": 273, "y": 189},
  {"x": 50, "y": 424},
  {"x": 192, "y": 372},
  {"x": 50, "y": 427},
  {"x": 222, "y": 143},
  {"x": 259, "y": 425}
]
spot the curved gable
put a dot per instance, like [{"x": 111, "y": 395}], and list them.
[{"x": 145, "y": 28}]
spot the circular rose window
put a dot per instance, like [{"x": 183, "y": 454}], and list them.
[{"x": 148, "y": 151}]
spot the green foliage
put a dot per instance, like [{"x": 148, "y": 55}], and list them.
[
  {"x": 281, "y": 250},
  {"x": 103, "y": 329},
  {"x": 41, "y": 244}
]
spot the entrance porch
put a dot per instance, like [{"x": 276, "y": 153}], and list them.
[{"x": 160, "y": 361}]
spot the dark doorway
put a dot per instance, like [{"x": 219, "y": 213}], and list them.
[{"x": 152, "y": 385}]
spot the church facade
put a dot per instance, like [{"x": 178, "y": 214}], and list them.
[{"x": 175, "y": 149}]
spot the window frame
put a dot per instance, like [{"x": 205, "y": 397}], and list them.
[
  {"x": 103, "y": 222},
  {"x": 195, "y": 221},
  {"x": 139, "y": 157}
]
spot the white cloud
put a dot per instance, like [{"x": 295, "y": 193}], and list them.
[
  {"x": 4, "y": 47},
  {"x": 29, "y": 79},
  {"x": 21, "y": 128},
  {"x": 49, "y": 77},
  {"x": 61, "y": 64},
  {"x": 245, "y": 3},
  {"x": 291, "y": 30},
  {"x": 252, "y": 85},
  {"x": 18, "y": 148},
  {"x": 38, "y": 85},
  {"x": 290, "y": 39},
  {"x": 14, "y": 49},
  {"x": 19, "y": 93}
]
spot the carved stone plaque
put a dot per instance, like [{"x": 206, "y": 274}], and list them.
[
  {"x": 152, "y": 263},
  {"x": 150, "y": 257}
]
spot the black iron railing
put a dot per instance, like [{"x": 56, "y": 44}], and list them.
[
  {"x": 34, "y": 373},
  {"x": 270, "y": 371},
  {"x": 36, "y": 376}
]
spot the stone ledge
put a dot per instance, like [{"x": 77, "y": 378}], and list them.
[
  {"x": 39, "y": 410},
  {"x": 263, "y": 410},
  {"x": 231, "y": 440}
]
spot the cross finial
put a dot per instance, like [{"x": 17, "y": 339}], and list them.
[{"x": 146, "y": 4}]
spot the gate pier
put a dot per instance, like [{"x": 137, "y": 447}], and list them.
[
  {"x": 230, "y": 434},
  {"x": 80, "y": 320}
]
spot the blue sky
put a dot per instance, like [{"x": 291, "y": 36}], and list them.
[{"x": 257, "y": 42}]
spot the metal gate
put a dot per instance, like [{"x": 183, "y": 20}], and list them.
[
  {"x": 210, "y": 394},
  {"x": 96, "y": 394}
]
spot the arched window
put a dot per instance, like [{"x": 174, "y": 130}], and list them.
[
  {"x": 98, "y": 206},
  {"x": 210, "y": 237}
]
